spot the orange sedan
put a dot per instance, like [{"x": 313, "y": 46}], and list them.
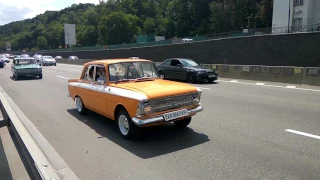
[{"x": 131, "y": 92}]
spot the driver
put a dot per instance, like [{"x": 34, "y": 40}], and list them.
[
  {"x": 90, "y": 78},
  {"x": 100, "y": 74},
  {"x": 134, "y": 72}
]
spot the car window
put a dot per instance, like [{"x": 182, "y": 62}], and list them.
[
  {"x": 100, "y": 73},
  {"x": 175, "y": 62},
  {"x": 89, "y": 73},
  {"x": 188, "y": 63},
  {"x": 167, "y": 62},
  {"x": 132, "y": 71}
]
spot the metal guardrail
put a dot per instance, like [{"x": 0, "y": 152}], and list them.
[{"x": 42, "y": 159}]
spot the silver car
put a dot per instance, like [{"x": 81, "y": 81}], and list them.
[{"x": 48, "y": 61}]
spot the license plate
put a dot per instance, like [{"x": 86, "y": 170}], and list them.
[
  {"x": 175, "y": 114},
  {"x": 210, "y": 76}
]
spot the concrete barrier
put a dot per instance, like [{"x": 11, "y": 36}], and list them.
[
  {"x": 43, "y": 160},
  {"x": 283, "y": 74}
]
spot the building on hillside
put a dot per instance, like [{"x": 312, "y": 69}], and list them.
[{"x": 291, "y": 16}]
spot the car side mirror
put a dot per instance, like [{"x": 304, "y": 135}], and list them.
[
  {"x": 179, "y": 65},
  {"x": 100, "y": 82}
]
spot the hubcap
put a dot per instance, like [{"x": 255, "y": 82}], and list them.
[
  {"x": 78, "y": 104},
  {"x": 123, "y": 124}
]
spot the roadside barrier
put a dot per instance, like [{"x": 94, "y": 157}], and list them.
[
  {"x": 43, "y": 160},
  {"x": 283, "y": 74}
]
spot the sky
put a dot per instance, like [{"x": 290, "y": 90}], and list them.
[{"x": 17, "y": 10}]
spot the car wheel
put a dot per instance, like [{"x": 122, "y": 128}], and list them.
[
  {"x": 2, "y": 66},
  {"x": 55, "y": 64},
  {"x": 17, "y": 77},
  {"x": 40, "y": 76},
  {"x": 80, "y": 106},
  {"x": 182, "y": 123},
  {"x": 191, "y": 78},
  {"x": 126, "y": 127},
  {"x": 210, "y": 80}
]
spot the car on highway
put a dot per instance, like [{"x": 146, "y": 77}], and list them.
[
  {"x": 131, "y": 92},
  {"x": 58, "y": 58},
  {"x": 25, "y": 66},
  {"x": 48, "y": 61},
  {"x": 187, "y": 70},
  {"x": 73, "y": 58},
  {"x": 5, "y": 58}
]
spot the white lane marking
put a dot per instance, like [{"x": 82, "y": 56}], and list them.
[
  {"x": 291, "y": 86},
  {"x": 73, "y": 65},
  {"x": 204, "y": 88},
  {"x": 62, "y": 77},
  {"x": 74, "y": 69},
  {"x": 260, "y": 84},
  {"x": 303, "y": 133},
  {"x": 234, "y": 81},
  {"x": 304, "y": 89}
]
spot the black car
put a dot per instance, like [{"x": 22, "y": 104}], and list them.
[
  {"x": 186, "y": 69},
  {"x": 2, "y": 63}
]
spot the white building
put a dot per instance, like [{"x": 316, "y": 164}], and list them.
[{"x": 296, "y": 16}]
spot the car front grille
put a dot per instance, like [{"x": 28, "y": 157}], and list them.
[
  {"x": 29, "y": 70},
  {"x": 172, "y": 102}
]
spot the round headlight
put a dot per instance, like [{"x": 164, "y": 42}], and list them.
[
  {"x": 143, "y": 109},
  {"x": 147, "y": 109},
  {"x": 196, "y": 99}
]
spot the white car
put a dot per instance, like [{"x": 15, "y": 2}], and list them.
[{"x": 48, "y": 61}]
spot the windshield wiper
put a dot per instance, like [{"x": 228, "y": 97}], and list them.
[
  {"x": 144, "y": 78},
  {"x": 122, "y": 80}
]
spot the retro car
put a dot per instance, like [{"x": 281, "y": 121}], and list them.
[
  {"x": 25, "y": 66},
  {"x": 186, "y": 69},
  {"x": 131, "y": 92}
]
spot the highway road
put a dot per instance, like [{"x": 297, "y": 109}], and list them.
[{"x": 247, "y": 131}]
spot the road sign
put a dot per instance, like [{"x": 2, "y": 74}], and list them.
[
  {"x": 70, "y": 34},
  {"x": 8, "y": 46}
]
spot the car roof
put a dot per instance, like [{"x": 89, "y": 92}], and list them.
[{"x": 112, "y": 61}]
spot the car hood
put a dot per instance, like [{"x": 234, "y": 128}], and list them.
[
  {"x": 27, "y": 66},
  {"x": 158, "y": 88},
  {"x": 200, "y": 68}
]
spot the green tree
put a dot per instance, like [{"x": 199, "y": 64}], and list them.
[{"x": 42, "y": 42}]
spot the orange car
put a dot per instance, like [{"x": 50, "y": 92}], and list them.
[{"x": 131, "y": 92}]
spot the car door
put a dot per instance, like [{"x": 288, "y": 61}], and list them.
[
  {"x": 86, "y": 87},
  {"x": 177, "y": 69},
  {"x": 99, "y": 86},
  {"x": 165, "y": 68}
]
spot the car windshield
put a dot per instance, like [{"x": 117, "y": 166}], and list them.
[
  {"x": 47, "y": 57},
  {"x": 188, "y": 63},
  {"x": 132, "y": 71},
  {"x": 25, "y": 61}
]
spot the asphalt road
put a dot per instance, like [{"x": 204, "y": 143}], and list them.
[{"x": 245, "y": 132}]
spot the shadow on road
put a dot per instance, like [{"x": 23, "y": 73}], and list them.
[
  {"x": 196, "y": 83},
  {"x": 152, "y": 142},
  {"x": 25, "y": 78}
]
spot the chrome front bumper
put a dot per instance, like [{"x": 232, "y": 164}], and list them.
[{"x": 160, "y": 118}]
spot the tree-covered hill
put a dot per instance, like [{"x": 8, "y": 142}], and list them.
[{"x": 118, "y": 21}]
